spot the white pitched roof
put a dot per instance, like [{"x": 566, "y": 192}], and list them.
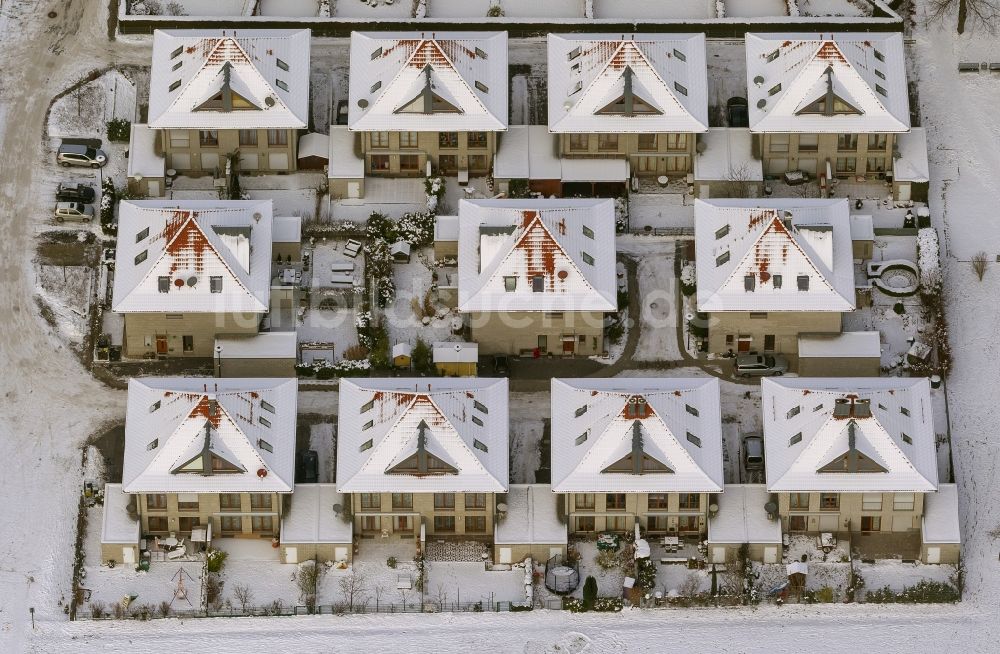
[
  {"x": 193, "y": 240},
  {"x": 842, "y": 345},
  {"x": 812, "y": 424},
  {"x": 666, "y": 74},
  {"x": 592, "y": 430},
  {"x": 568, "y": 243},
  {"x": 911, "y": 165},
  {"x": 264, "y": 72},
  {"x": 787, "y": 73},
  {"x": 174, "y": 422},
  {"x": 763, "y": 238},
  {"x": 390, "y": 73},
  {"x": 532, "y": 517},
  {"x": 380, "y": 428}
]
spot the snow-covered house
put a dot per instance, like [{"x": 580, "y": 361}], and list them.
[
  {"x": 827, "y": 104},
  {"x": 215, "y": 92},
  {"x": 537, "y": 276},
  {"x": 419, "y": 99},
  {"x": 637, "y": 450},
  {"x": 213, "y": 456},
  {"x": 423, "y": 455},
  {"x": 852, "y": 455},
  {"x": 626, "y": 104},
  {"x": 188, "y": 271},
  {"x": 770, "y": 269}
]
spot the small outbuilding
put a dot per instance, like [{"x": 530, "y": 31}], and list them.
[
  {"x": 146, "y": 169},
  {"x": 910, "y": 171},
  {"x": 267, "y": 354},
  {"x": 286, "y": 239},
  {"x": 741, "y": 518},
  {"x": 940, "y": 535},
  {"x": 530, "y": 526},
  {"x": 402, "y": 355},
  {"x": 119, "y": 527},
  {"x": 314, "y": 151},
  {"x": 456, "y": 359},
  {"x": 445, "y": 237},
  {"x": 862, "y": 237},
  {"x": 345, "y": 167},
  {"x": 848, "y": 354},
  {"x": 400, "y": 252},
  {"x": 317, "y": 527}
]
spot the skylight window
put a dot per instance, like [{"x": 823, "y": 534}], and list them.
[
  {"x": 215, "y": 284},
  {"x": 680, "y": 88},
  {"x": 142, "y": 235},
  {"x": 588, "y": 232},
  {"x": 153, "y": 444},
  {"x": 281, "y": 85},
  {"x": 694, "y": 440},
  {"x": 574, "y": 53},
  {"x": 722, "y": 231},
  {"x": 580, "y": 411},
  {"x": 267, "y": 406},
  {"x": 680, "y": 55},
  {"x": 797, "y": 438},
  {"x": 538, "y": 284},
  {"x": 482, "y": 87},
  {"x": 879, "y": 74},
  {"x": 794, "y": 411},
  {"x": 803, "y": 282},
  {"x": 367, "y": 445},
  {"x": 510, "y": 284},
  {"x": 477, "y": 421},
  {"x": 748, "y": 283},
  {"x": 907, "y": 439},
  {"x": 368, "y": 425},
  {"x": 481, "y": 53},
  {"x": 771, "y": 56},
  {"x": 881, "y": 91},
  {"x": 281, "y": 64},
  {"x": 581, "y": 439},
  {"x": 587, "y": 259},
  {"x": 156, "y": 405},
  {"x": 818, "y": 407},
  {"x": 264, "y": 421},
  {"x": 174, "y": 85},
  {"x": 139, "y": 258},
  {"x": 904, "y": 411},
  {"x": 879, "y": 56},
  {"x": 264, "y": 445},
  {"x": 576, "y": 87},
  {"x": 722, "y": 258},
  {"x": 177, "y": 65},
  {"x": 375, "y": 87},
  {"x": 690, "y": 409},
  {"x": 774, "y": 89},
  {"x": 776, "y": 280},
  {"x": 479, "y": 406},
  {"x": 377, "y": 53},
  {"x": 479, "y": 445}
]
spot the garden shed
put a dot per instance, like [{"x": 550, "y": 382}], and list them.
[
  {"x": 530, "y": 526},
  {"x": 345, "y": 168},
  {"x": 940, "y": 536},
  {"x": 848, "y": 354},
  {"x": 318, "y": 526},
  {"x": 401, "y": 355},
  {"x": 456, "y": 359},
  {"x": 119, "y": 527},
  {"x": 314, "y": 151},
  {"x": 741, "y": 518}
]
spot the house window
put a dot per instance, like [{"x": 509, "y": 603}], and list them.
[
  {"x": 871, "y": 523},
  {"x": 260, "y": 501},
  {"x": 722, "y": 258},
  {"x": 379, "y": 139},
  {"x": 689, "y": 501},
  {"x": 656, "y": 523},
  {"x": 776, "y": 280},
  {"x": 445, "y": 501},
  {"x": 583, "y": 501},
  {"x": 647, "y": 142},
  {"x": 215, "y": 284},
  {"x": 875, "y": 165},
  {"x": 902, "y": 501},
  {"x": 803, "y": 282},
  {"x": 277, "y": 137},
  {"x": 808, "y": 142},
  {"x": 585, "y": 523},
  {"x": 371, "y": 501},
  {"x": 537, "y": 284},
  {"x": 186, "y": 502},
  {"x": 779, "y": 143},
  {"x": 230, "y": 501},
  {"x": 477, "y": 162},
  {"x": 510, "y": 284},
  {"x": 658, "y": 500},
  {"x": 402, "y": 523},
  {"x": 475, "y": 524},
  {"x": 402, "y": 501},
  {"x": 407, "y": 139},
  {"x": 749, "y": 281},
  {"x": 798, "y": 501},
  {"x": 380, "y": 162},
  {"x": 794, "y": 411},
  {"x": 607, "y": 142},
  {"x": 543, "y": 342},
  {"x": 262, "y": 524},
  {"x": 475, "y": 500},
  {"x": 139, "y": 258},
  {"x": 444, "y": 523},
  {"x": 448, "y": 139},
  {"x": 676, "y": 141},
  {"x": 157, "y": 523},
  {"x": 616, "y": 523},
  {"x": 188, "y": 342},
  {"x": 829, "y": 501},
  {"x": 231, "y": 524},
  {"x": 769, "y": 342},
  {"x": 721, "y": 232},
  {"x": 208, "y": 137},
  {"x": 847, "y": 142},
  {"x": 248, "y": 137},
  {"x": 156, "y": 502},
  {"x": 614, "y": 501},
  {"x": 877, "y": 141},
  {"x": 688, "y": 523},
  {"x": 871, "y": 501},
  {"x": 476, "y": 139},
  {"x": 797, "y": 523},
  {"x": 371, "y": 523},
  {"x": 179, "y": 138},
  {"x": 579, "y": 142},
  {"x": 409, "y": 162},
  {"x": 163, "y": 284}
]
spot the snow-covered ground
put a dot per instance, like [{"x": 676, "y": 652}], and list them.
[{"x": 657, "y": 290}]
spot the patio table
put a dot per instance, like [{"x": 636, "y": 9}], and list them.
[{"x": 170, "y": 541}]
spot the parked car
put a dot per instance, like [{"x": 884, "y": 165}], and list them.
[
  {"x": 73, "y": 211},
  {"x": 75, "y": 193},
  {"x": 753, "y": 452},
  {"x": 71, "y": 154},
  {"x": 501, "y": 365},
  {"x": 307, "y": 467},
  {"x": 761, "y": 365}
]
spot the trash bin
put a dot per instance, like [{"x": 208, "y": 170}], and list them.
[{"x": 935, "y": 381}]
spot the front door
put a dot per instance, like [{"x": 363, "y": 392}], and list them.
[
  {"x": 744, "y": 344},
  {"x": 569, "y": 344},
  {"x": 161, "y": 344}
]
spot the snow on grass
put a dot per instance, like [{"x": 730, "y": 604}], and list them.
[
  {"x": 659, "y": 210},
  {"x": 464, "y": 581},
  {"x": 755, "y": 8},
  {"x": 897, "y": 574},
  {"x": 66, "y": 291},
  {"x": 374, "y": 9},
  {"x": 413, "y": 282},
  {"x": 852, "y": 8}
]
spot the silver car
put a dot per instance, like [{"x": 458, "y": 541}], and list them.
[
  {"x": 80, "y": 155},
  {"x": 753, "y": 452},
  {"x": 73, "y": 211},
  {"x": 761, "y": 365}
]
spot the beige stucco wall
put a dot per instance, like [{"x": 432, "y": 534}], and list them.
[
  {"x": 115, "y": 552},
  {"x": 255, "y": 367},
  {"x": 423, "y": 510},
  {"x": 428, "y": 147},
  {"x": 205, "y": 159},
  {"x": 539, "y": 552},
  {"x": 785, "y": 326},
  {"x": 444, "y": 249},
  {"x": 851, "y": 509},
  {"x": 321, "y": 552},
  {"x": 663, "y": 160},
  {"x": 141, "y": 330},
  {"x": 948, "y": 552},
  {"x": 839, "y": 366},
  {"x": 777, "y": 161},
  {"x": 517, "y": 332},
  {"x": 636, "y": 506},
  {"x": 209, "y": 509},
  {"x": 732, "y": 551},
  {"x": 341, "y": 187}
]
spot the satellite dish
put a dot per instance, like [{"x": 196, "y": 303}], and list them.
[
  {"x": 363, "y": 103},
  {"x": 562, "y": 274},
  {"x": 761, "y": 103},
  {"x": 337, "y": 508},
  {"x": 458, "y": 347},
  {"x": 257, "y": 216},
  {"x": 568, "y": 105},
  {"x": 758, "y": 80},
  {"x": 192, "y": 280},
  {"x": 262, "y": 472},
  {"x": 178, "y": 282},
  {"x": 269, "y": 101}
]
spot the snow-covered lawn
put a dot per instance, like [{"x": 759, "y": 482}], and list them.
[
  {"x": 66, "y": 291},
  {"x": 677, "y": 9},
  {"x": 855, "y": 8},
  {"x": 413, "y": 283},
  {"x": 755, "y": 8},
  {"x": 464, "y": 581},
  {"x": 511, "y": 8},
  {"x": 380, "y": 9},
  {"x": 897, "y": 574},
  {"x": 659, "y": 210},
  {"x": 297, "y": 8}
]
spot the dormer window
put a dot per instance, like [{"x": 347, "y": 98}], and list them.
[
  {"x": 690, "y": 409},
  {"x": 153, "y": 444},
  {"x": 794, "y": 440},
  {"x": 156, "y": 405},
  {"x": 215, "y": 284},
  {"x": 537, "y": 284},
  {"x": 749, "y": 282},
  {"x": 479, "y": 406},
  {"x": 803, "y": 282},
  {"x": 479, "y": 445},
  {"x": 588, "y": 232},
  {"x": 163, "y": 284},
  {"x": 776, "y": 280},
  {"x": 694, "y": 440},
  {"x": 510, "y": 284},
  {"x": 580, "y": 411},
  {"x": 267, "y": 406},
  {"x": 879, "y": 56}
]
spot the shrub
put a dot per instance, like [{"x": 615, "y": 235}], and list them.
[
  {"x": 356, "y": 353},
  {"x": 518, "y": 188},
  {"x": 417, "y": 228},
  {"x": 98, "y": 609},
  {"x": 391, "y": 562},
  {"x": 688, "y": 279},
  {"x": 607, "y": 559},
  {"x": 495, "y": 11},
  {"x": 109, "y": 197},
  {"x": 215, "y": 560},
  {"x": 423, "y": 358},
  {"x": 305, "y": 370},
  {"x": 326, "y": 372},
  {"x": 589, "y": 592},
  {"x": 119, "y": 130},
  {"x": 924, "y": 592},
  {"x": 434, "y": 189},
  {"x": 645, "y": 574},
  {"x": 514, "y": 608}
]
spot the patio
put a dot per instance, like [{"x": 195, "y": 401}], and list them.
[{"x": 903, "y": 545}]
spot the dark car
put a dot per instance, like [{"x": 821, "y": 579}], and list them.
[
  {"x": 307, "y": 467},
  {"x": 753, "y": 452},
  {"x": 501, "y": 365},
  {"x": 75, "y": 193}
]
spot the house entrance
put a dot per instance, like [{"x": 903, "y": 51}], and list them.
[
  {"x": 161, "y": 344},
  {"x": 743, "y": 344},
  {"x": 568, "y": 344}
]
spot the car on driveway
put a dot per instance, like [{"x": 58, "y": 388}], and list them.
[
  {"x": 753, "y": 452},
  {"x": 71, "y": 154},
  {"x": 75, "y": 193},
  {"x": 73, "y": 211},
  {"x": 761, "y": 365}
]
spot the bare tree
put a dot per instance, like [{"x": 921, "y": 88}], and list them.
[
  {"x": 378, "y": 591},
  {"x": 308, "y": 578},
  {"x": 402, "y": 597},
  {"x": 739, "y": 181},
  {"x": 352, "y": 587},
  {"x": 972, "y": 12},
  {"x": 441, "y": 597},
  {"x": 979, "y": 263},
  {"x": 79, "y": 89},
  {"x": 243, "y": 595}
]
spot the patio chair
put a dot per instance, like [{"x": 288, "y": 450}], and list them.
[{"x": 178, "y": 553}]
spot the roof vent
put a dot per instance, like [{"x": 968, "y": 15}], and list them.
[
  {"x": 758, "y": 80},
  {"x": 257, "y": 216},
  {"x": 363, "y": 103},
  {"x": 761, "y": 103},
  {"x": 192, "y": 280}
]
